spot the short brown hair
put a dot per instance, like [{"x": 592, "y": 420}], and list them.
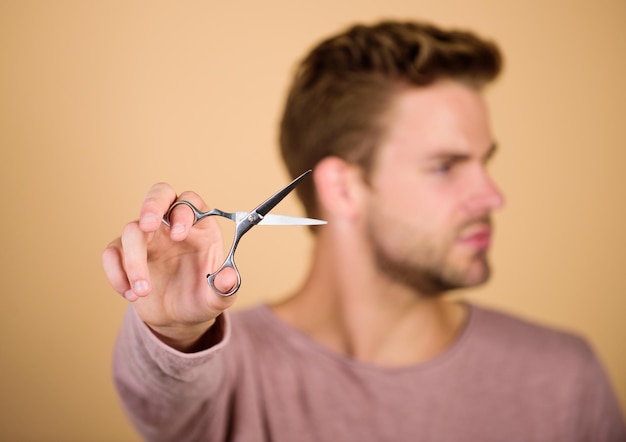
[{"x": 344, "y": 86}]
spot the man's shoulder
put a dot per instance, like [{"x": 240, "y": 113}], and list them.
[{"x": 495, "y": 331}]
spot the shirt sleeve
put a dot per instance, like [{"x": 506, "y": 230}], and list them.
[{"x": 164, "y": 391}]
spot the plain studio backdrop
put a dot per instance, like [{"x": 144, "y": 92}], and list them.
[{"x": 99, "y": 100}]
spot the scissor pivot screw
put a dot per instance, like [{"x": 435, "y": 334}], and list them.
[{"x": 254, "y": 217}]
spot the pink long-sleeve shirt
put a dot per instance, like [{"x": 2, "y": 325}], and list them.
[{"x": 504, "y": 379}]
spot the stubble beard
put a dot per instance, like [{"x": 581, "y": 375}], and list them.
[{"x": 429, "y": 271}]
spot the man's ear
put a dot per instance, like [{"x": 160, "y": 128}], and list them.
[{"x": 340, "y": 187}]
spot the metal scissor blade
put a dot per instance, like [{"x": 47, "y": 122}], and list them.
[
  {"x": 282, "y": 220},
  {"x": 264, "y": 208}
]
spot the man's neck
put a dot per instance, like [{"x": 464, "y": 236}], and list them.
[{"x": 369, "y": 319}]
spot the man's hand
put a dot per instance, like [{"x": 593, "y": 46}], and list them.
[{"x": 162, "y": 269}]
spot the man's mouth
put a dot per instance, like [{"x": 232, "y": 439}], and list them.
[{"x": 477, "y": 237}]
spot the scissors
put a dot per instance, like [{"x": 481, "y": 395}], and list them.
[{"x": 244, "y": 221}]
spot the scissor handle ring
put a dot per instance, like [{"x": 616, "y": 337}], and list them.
[
  {"x": 211, "y": 278},
  {"x": 197, "y": 214}
]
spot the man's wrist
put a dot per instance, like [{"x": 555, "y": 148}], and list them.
[{"x": 190, "y": 339}]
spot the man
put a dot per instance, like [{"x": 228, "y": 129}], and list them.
[{"x": 391, "y": 119}]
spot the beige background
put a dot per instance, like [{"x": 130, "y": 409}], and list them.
[{"x": 98, "y": 100}]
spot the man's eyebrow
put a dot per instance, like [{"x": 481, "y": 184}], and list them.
[
  {"x": 448, "y": 154},
  {"x": 455, "y": 155}
]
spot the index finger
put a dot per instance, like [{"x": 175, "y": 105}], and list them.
[{"x": 155, "y": 204}]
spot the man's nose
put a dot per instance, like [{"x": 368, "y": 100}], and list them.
[{"x": 485, "y": 196}]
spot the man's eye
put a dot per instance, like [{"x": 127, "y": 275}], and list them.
[{"x": 443, "y": 167}]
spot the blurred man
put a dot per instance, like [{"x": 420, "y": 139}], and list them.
[{"x": 391, "y": 119}]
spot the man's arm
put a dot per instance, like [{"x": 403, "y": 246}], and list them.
[
  {"x": 167, "y": 364},
  {"x": 601, "y": 417},
  {"x": 166, "y": 393}
]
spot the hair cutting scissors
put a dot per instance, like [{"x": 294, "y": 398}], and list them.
[{"x": 244, "y": 221}]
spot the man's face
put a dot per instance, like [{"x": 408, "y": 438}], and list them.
[{"x": 430, "y": 196}]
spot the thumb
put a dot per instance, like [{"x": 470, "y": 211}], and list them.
[{"x": 225, "y": 280}]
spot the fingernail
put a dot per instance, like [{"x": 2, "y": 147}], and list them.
[
  {"x": 149, "y": 218},
  {"x": 178, "y": 228},
  {"x": 140, "y": 287},
  {"x": 129, "y": 295}
]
